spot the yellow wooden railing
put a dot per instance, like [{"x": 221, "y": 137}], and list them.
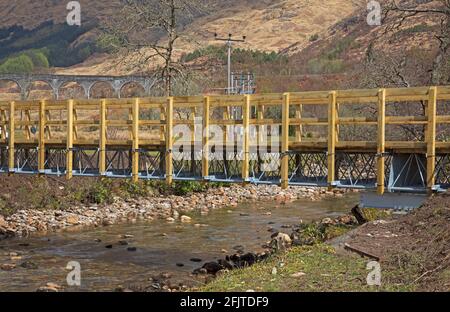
[{"x": 34, "y": 123}]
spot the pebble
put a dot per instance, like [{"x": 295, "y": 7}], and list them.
[
  {"x": 7, "y": 267},
  {"x": 186, "y": 219},
  {"x": 132, "y": 249},
  {"x": 29, "y": 265},
  {"x": 196, "y": 260}
]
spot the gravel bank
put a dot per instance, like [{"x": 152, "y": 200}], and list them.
[{"x": 171, "y": 208}]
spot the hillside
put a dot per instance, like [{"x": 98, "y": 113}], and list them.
[
  {"x": 270, "y": 25},
  {"x": 403, "y": 52},
  {"x": 320, "y": 50}
]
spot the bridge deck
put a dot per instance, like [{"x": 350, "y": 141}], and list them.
[{"x": 385, "y": 139}]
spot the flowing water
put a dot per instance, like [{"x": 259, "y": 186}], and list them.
[{"x": 160, "y": 246}]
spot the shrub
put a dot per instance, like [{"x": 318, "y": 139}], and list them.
[
  {"x": 182, "y": 188},
  {"x": 38, "y": 58},
  {"x": 99, "y": 192},
  {"x": 20, "y": 64},
  {"x": 417, "y": 29},
  {"x": 325, "y": 66},
  {"x": 314, "y": 37},
  {"x": 135, "y": 189}
]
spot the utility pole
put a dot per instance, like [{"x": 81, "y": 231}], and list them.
[{"x": 229, "y": 42}]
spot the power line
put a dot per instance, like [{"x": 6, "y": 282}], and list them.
[{"x": 229, "y": 42}]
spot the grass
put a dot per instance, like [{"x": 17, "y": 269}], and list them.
[{"x": 323, "y": 269}]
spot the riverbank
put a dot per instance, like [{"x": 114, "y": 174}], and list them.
[
  {"x": 41, "y": 204},
  {"x": 413, "y": 251}
]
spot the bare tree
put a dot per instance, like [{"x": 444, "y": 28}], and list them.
[
  {"x": 144, "y": 33},
  {"x": 439, "y": 10},
  {"x": 413, "y": 66}
]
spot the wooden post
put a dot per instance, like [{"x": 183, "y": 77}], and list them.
[
  {"x": 27, "y": 127},
  {"x": 226, "y": 117},
  {"x": 381, "y": 141},
  {"x": 332, "y": 138},
  {"x": 12, "y": 132},
  {"x": 205, "y": 137},
  {"x": 135, "y": 133},
  {"x": 69, "y": 155},
  {"x": 299, "y": 128},
  {"x": 103, "y": 138},
  {"x": 260, "y": 134},
  {"x": 192, "y": 140},
  {"x": 41, "y": 155},
  {"x": 246, "y": 140},
  {"x": 162, "y": 129},
  {"x": 431, "y": 138},
  {"x": 169, "y": 141},
  {"x": 75, "y": 128},
  {"x": 285, "y": 142}
]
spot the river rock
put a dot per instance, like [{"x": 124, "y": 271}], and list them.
[
  {"x": 7, "y": 266},
  {"x": 347, "y": 220},
  {"x": 72, "y": 220},
  {"x": 29, "y": 265},
  {"x": 280, "y": 242},
  {"x": 200, "y": 271},
  {"x": 225, "y": 264},
  {"x": 212, "y": 267},
  {"x": 107, "y": 222},
  {"x": 327, "y": 221},
  {"x": 3, "y": 223},
  {"x": 50, "y": 287},
  {"x": 186, "y": 219},
  {"x": 248, "y": 259}
]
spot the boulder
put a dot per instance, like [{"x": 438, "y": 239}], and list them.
[
  {"x": 212, "y": 267},
  {"x": 280, "y": 242}
]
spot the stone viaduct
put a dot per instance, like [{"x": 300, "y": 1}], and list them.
[{"x": 86, "y": 82}]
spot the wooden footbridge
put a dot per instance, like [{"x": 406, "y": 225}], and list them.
[{"x": 389, "y": 140}]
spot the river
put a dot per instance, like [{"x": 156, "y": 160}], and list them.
[{"x": 160, "y": 246}]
